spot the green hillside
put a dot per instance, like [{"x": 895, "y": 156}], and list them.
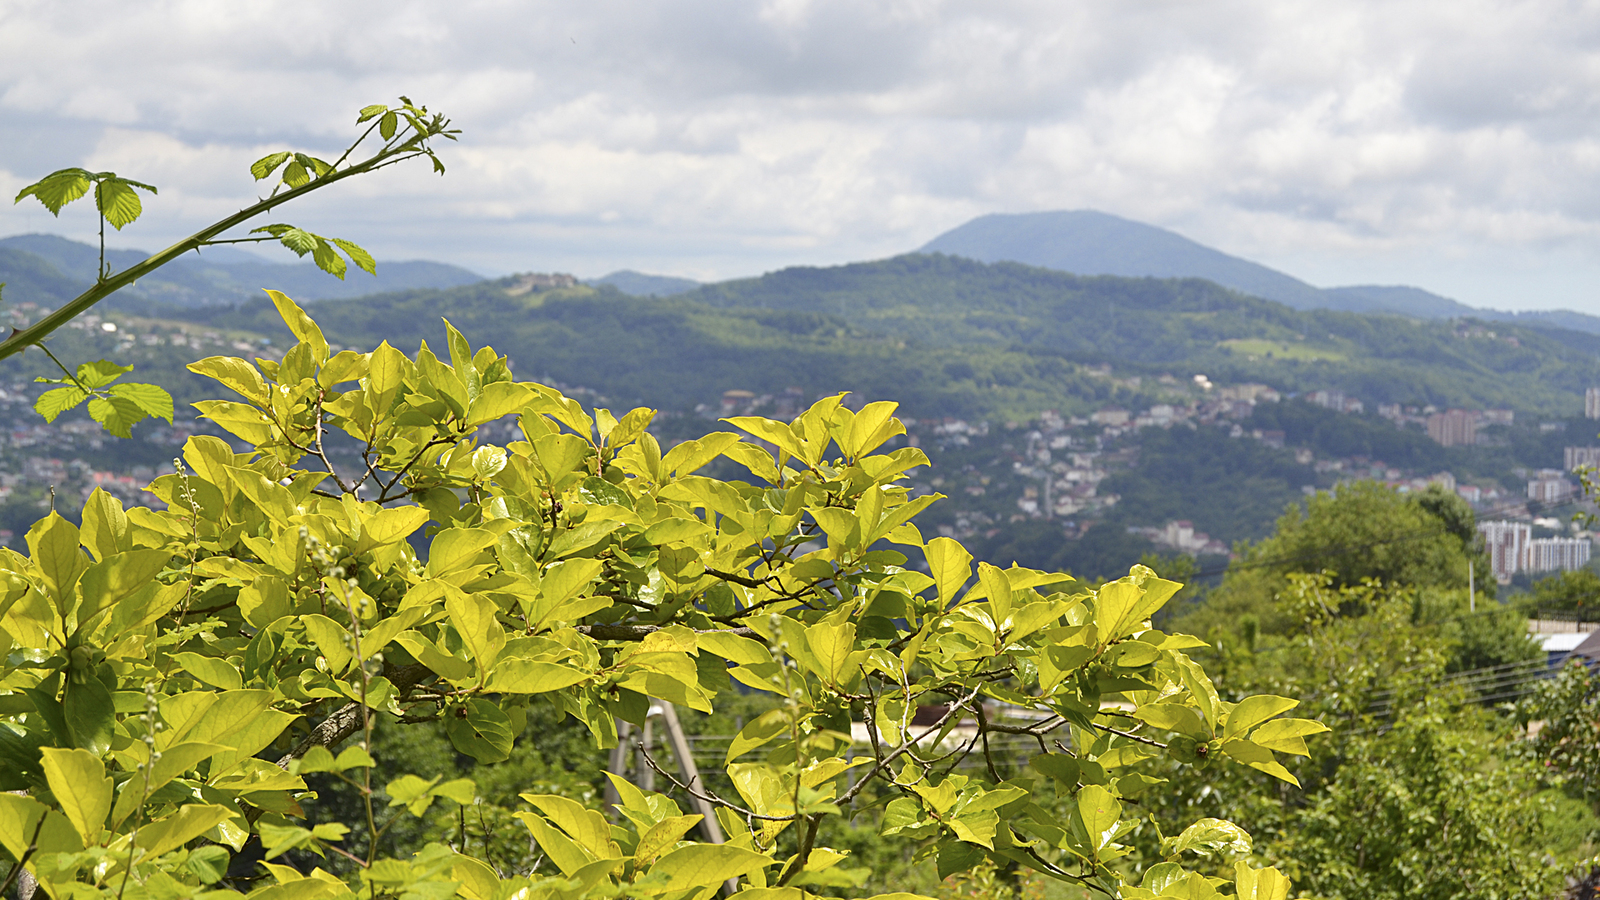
[
  {"x": 949, "y": 336},
  {"x": 675, "y": 354},
  {"x": 1187, "y": 325}
]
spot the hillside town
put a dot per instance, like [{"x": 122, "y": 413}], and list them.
[{"x": 1054, "y": 466}]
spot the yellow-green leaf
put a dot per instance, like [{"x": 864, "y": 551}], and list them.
[{"x": 78, "y": 780}]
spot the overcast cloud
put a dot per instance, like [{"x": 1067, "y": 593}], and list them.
[{"x": 1450, "y": 144}]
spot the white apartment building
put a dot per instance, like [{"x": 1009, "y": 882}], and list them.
[
  {"x": 1558, "y": 554},
  {"x": 1550, "y": 486},
  {"x": 1576, "y": 457},
  {"x": 1513, "y": 548},
  {"x": 1507, "y": 543}
]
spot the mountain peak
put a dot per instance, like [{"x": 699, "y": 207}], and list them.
[{"x": 1089, "y": 242}]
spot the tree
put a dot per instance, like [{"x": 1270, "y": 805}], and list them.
[
  {"x": 1426, "y": 796},
  {"x": 1428, "y": 810},
  {"x": 370, "y": 561},
  {"x": 1357, "y": 532},
  {"x": 405, "y": 132},
  {"x": 1567, "y": 710},
  {"x": 1577, "y": 591}
]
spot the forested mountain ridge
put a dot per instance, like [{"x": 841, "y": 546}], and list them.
[
  {"x": 952, "y": 336},
  {"x": 1088, "y": 242},
  {"x": 946, "y": 336},
  {"x": 1163, "y": 324}
]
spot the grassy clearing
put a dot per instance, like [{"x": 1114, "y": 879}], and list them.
[{"x": 1258, "y": 348}]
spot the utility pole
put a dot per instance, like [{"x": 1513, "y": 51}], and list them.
[{"x": 1472, "y": 591}]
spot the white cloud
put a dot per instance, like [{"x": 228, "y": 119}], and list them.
[{"x": 1452, "y": 145}]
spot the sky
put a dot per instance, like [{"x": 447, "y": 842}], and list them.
[{"x": 1449, "y": 144}]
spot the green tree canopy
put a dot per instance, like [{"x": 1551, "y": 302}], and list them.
[{"x": 1358, "y": 532}]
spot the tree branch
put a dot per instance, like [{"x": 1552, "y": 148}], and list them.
[
  {"x": 27, "y": 337},
  {"x": 639, "y": 632},
  {"x": 346, "y": 720}
]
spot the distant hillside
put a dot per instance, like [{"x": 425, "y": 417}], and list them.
[
  {"x": 1087, "y": 242},
  {"x": 639, "y": 284},
  {"x": 48, "y": 269},
  {"x": 950, "y": 336}
]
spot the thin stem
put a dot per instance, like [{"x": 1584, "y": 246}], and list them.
[
  {"x": 707, "y": 795},
  {"x": 63, "y": 368},
  {"x": 983, "y": 732},
  {"x": 808, "y": 838},
  {"x": 383, "y": 496},
  {"x": 1132, "y": 737},
  {"x": 321, "y": 453},
  {"x": 243, "y": 240},
  {"x": 906, "y": 746},
  {"x": 366, "y": 731},
  {"x": 358, "y": 141}
]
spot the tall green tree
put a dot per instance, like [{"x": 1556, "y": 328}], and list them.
[{"x": 1357, "y": 532}]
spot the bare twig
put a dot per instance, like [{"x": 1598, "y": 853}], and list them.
[
  {"x": 907, "y": 745},
  {"x": 640, "y": 632},
  {"x": 708, "y": 795}
]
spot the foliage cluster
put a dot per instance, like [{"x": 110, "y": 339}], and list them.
[
  {"x": 179, "y": 673},
  {"x": 1354, "y": 606}
]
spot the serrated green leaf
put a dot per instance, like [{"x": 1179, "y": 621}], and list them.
[
  {"x": 100, "y": 373},
  {"x": 58, "y": 189},
  {"x": 155, "y": 402},
  {"x": 53, "y": 403},
  {"x": 297, "y": 239},
  {"x": 295, "y": 175},
  {"x": 118, "y": 201},
  {"x": 357, "y": 254},
  {"x": 266, "y": 165},
  {"x": 368, "y": 112},
  {"x": 328, "y": 259},
  {"x": 116, "y": 415}
]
